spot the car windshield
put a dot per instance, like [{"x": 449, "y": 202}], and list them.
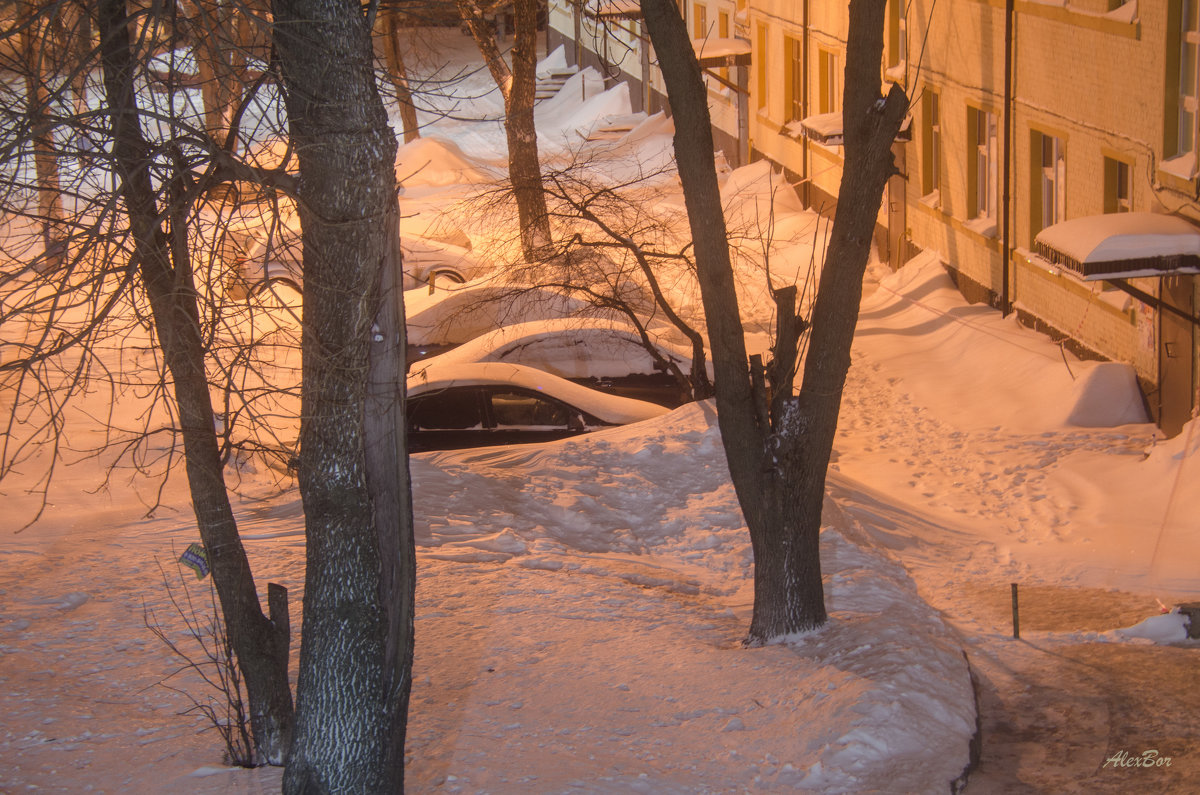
[{"x": 523, "y": 410}]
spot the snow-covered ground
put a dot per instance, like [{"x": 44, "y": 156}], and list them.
[{"x": 581, "y": 604}]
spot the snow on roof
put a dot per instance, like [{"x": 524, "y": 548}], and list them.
[
  {"x": 713, "y": 51},
  {"x": 617, "y": 9},
  {"x": 1146, "y": 243},
  {"x": 609, "y": 408},
  {"x": 824, "y": 127}
]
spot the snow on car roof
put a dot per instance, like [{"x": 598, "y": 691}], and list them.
[
  {"x": 607, "y": 348},
  {"x": 609, "y": 408},
  {"x": 461, "y": 312}
]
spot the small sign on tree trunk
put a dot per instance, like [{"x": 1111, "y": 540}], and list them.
[{"x": 195, "y": 557}]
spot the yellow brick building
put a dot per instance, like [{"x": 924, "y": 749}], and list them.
[{"x": 1102, "y": 114}]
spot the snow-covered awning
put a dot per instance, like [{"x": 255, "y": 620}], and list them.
[
  {"x": 826, "y": 129},
  {"x": 1121, "y": 246},
  {"x": 714, "y": 53}
]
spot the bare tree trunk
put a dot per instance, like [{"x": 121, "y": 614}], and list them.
[
  {"x": 519, "y": 86},
  {"x": 356, "y": 647},
  {"x": 391, "y": 497},
  {"x": 524, "y": 166},
  {"x": 36, "y": 52},
  {"x": 870, "y": 123},
  {"x": 398, "y": 73},
  {"x": 778, "y": 448},
  {"x": 260, "y": 643},
  {"x": 216, "y": 33}
]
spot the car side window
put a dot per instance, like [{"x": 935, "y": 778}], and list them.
[
  {"x": 525, "y": 410},
  {"x": 452, "y": 409}
]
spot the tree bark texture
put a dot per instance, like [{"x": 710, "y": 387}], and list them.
[
  {"x": 524, "y": 165},
  {"x": 778, "y": 450},
  {"x": 356, "y": 642},
  {"x": 260, "y": 644},
  {"x": 870, "y": 124},
  {"x": 38, "y": 50}
]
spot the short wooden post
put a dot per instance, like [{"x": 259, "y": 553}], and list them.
[{"x": 1016, "y": 613}]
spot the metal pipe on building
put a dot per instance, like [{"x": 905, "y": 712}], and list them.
[
  {"x": 1006, "y": 201},
  {"x": 804, "y": 112}
]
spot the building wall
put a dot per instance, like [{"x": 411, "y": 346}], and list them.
[
  {"x": 613, "y": 48},
  {"x": 1091, "y": 79},
  {"x": 1097, "y": 78},
  {"x": 818, "y": 167}
]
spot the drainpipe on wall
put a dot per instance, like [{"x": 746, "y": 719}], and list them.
[
  {"x": 647, "y": 88},
  {"x": 804, "y": 105},
  {"x": 1006, "y": 201},
  {"x": 578, "y": 34}
]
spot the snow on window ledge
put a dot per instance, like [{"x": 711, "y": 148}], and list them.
[
  {"x": 933, "y": 199},
  {"x": 1127, "y": 13},
  {"x": 793, "y": 129},
  {"x": 1182, "y": 166},
  {"x": 982, "y": 225}
]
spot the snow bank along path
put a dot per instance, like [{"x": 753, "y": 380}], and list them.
[
  {"x": 978, "y": 456},
  {"x": 580, "y": 612},
  {"x": 604, "y": 614}
]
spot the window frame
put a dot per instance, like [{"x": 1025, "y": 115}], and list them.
[
  {"x": 1118, "y": 185},
  {"x": 699, "y": 21},
  {"x": 1053, "y": 180},
  {"x": 829, "y": 95},
  {"x": 983, "y": 153},
  {"x": 763, "y": 40},
  {"x": 794, "y": 79},
  {"x": 931, "y": 147},
  {"x": 1047, "y": 179},
  {"x": 1187, "y": 132}
]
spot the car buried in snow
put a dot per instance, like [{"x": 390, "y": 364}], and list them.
[
  {"x": 607, "y": 355},
  {"x": 444, "y": 318},
  {"x": 473, "y": 404},
  {"x": 265, "y": 258}
]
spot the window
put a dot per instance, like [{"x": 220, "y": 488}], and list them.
[
  {"x": 794, "y": 79},
  {"x": 1054, "y": 173},
  {"x": 761, "y": 65},
  {"x": 699, "y": 22},
  {"x": 1118, "y": 193},
  {"x": 931, "y": 142},
  {"x": 897, "y": 34},
  {"x": 723, "y": 32},
  {"x": 523, "y": 410},
  {"x": 452, "y": 409},
  {"x": 981, "y": 168},
  {"x": 830, "y": 100},
  {"x": 1048, "y": 181},
  {"x": 1189, "y": 77}
]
